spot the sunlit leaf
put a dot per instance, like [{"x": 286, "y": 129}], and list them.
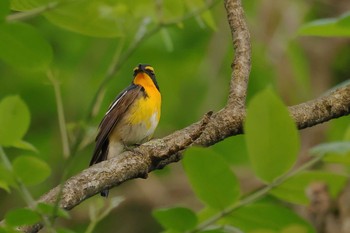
[
  {"x": 20, "y": 217},
  {"x": 264, "y": 216},
  {"x": 294, "y": 189},
  {"x": 14, "y": 120},
  {"x": 271, "y": 136},
  {"x": 211, "y": 178},
  {"x": 31, "y": 170},
  {"x": 177, "y": 218},
  {"x": 22, "y": 47}
]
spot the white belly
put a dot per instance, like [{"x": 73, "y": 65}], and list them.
[{"x": 138, "y": 133}]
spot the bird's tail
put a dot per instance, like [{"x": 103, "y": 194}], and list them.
[
  {"x": 114, "y": 149},
  {"x": 104, "y": 193}
]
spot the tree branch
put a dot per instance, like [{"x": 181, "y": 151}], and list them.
[
  {"x": 158, "y": 153},
  {"x": 241, "y": 43},
  {"x": 325, "y": 108}
]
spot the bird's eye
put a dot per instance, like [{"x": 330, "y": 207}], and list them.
[{"x": 150, "y": 71}]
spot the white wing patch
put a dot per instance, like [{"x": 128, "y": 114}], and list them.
[{"x": 115, "y": 102}]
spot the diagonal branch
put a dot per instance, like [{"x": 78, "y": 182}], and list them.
[{"x": 161, "y": 152}]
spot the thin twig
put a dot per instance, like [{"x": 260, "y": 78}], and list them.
[
  {"x": 60, "y": 114},
  {"x": 32, "y": 13}
]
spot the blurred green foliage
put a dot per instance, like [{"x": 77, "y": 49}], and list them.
[{"x": 90, "y": 47}]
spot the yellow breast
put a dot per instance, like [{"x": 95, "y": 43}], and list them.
[{"x": 146, "y": 109}]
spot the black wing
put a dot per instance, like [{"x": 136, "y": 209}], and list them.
[{"x": 114, "y": 114}]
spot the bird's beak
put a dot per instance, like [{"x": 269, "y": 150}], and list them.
[{"x": 141, "y": 68}]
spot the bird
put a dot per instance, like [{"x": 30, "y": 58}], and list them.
[{"x": 131, "y": 118}]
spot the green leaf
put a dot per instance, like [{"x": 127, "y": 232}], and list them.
[
  {"x": 31, "y": 170},
  {"x": 51, "y": 210},
  {"x": 4, "y": 9},
  {"x": 324, "y": 27},
  {"x": 25, "y": 146},
  {"x": 6, "y": 178},
  {"x": 211, "y": 178},
  {"x": 20, "y": 217},
  {"x": 4, "y": 186},
  {"x": 264, "y": 216},
  {"x": 271, "y": 136},
  {"x": 294, "y": 189},
  {"x": 22, "y": 47},
  {"x": 14, "y": 120},
  {"x": 100, "y": 18},
  {"x": 178, "y": 218},
  {"x": 238, "y": 156}
]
